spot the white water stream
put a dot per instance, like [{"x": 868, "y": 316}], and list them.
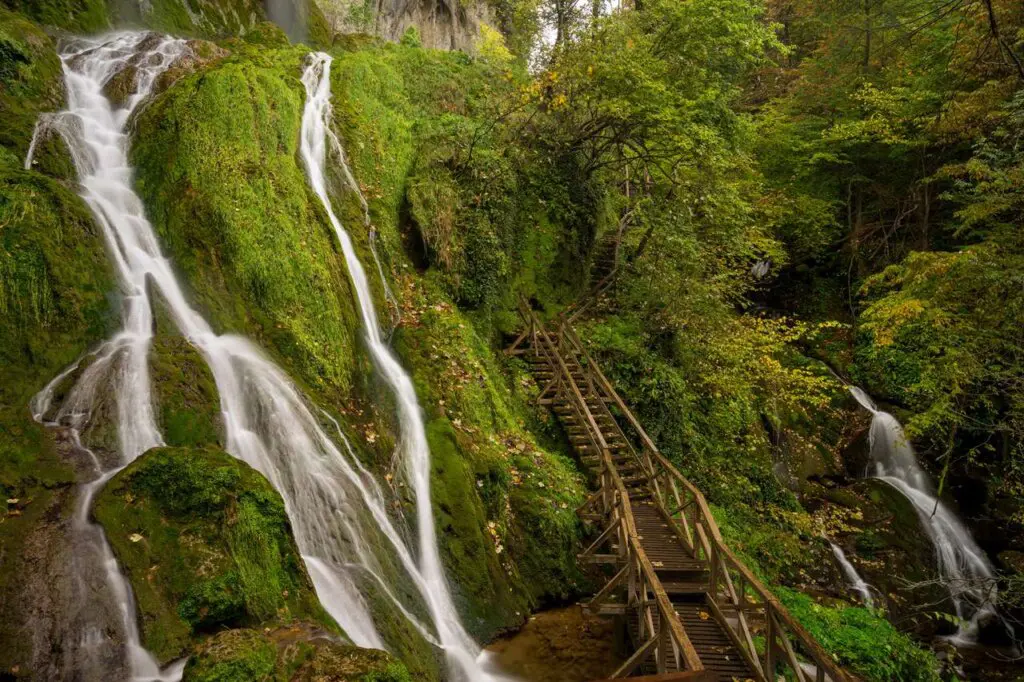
[
  {"x": 337, "y": 510},
  {"x": 963, "y": 567},
  {"x": 852, "y": 577},
  {"x": 317, "y": 137}
]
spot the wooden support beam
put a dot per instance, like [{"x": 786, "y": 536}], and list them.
[{"x": 638, "y": 657}]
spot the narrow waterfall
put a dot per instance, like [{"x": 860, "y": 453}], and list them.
[
  {"x": 93, "y": 649},
  {"x": 852, "y": 577},
  {"x": 337, "y": 511},
  {"x": 963, "y": 566},
  {"x": 462, "y": 652}
]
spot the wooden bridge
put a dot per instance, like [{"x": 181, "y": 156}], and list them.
[{"x": 693, "y": 610}]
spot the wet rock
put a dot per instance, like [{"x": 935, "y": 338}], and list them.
[{"x": 121, "y": 87}]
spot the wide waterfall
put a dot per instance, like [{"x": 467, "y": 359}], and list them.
[
  {"x": 317, "y": 137},
  {"x": 852, "y": 576},
  {"x": 963, "y": 567}
]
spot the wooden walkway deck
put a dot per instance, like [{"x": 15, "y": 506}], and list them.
[{"x": 693, "y": 610}]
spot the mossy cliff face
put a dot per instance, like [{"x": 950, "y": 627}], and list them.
[
  {"x": 503, "y": 502},
  {"x": 80, "y": 16},
  {"x": 206, "y": 544}
]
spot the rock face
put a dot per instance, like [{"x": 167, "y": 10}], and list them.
[{"x": 441, "y": 24}]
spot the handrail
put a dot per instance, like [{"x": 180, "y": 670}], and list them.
[
  {"x": 704, "y": 537},
  {"x": 643, "y": 579}
]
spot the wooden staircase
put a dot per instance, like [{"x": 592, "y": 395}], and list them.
[
  {"x": 606, "y": 257},
  {"x": 692, "y": 609}
]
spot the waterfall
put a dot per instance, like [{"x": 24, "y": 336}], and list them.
[
  {"x": 98, "y": 645},
  {"x": 852, "y": 577},
  {"x": 336, "y": 509},
  {"x": 317, "y": 135},
  {"x": 965, "y": 570}
]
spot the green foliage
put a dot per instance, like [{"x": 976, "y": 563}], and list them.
[
  {"x": 860, "y": 639},
  {"x": 411, "y": 37},
  {"x": 206, "y": 543}
]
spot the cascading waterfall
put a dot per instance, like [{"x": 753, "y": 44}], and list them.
[
  {"x": 120, "y": 362},
  {"x": 852, "y": 577},
  {"x": 963, "y": 566},
  {"x": 317, "y": 135},
  {"x": 337, "y": 511}
]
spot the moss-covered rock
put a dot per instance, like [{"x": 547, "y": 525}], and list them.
[
  {"x": 206, "y": 543},
  {"x": 218, "y": 169},
  {"x": 503, "y": 502},
  {"x": 184, "y": 391},
  {"x": 54, "y": 283},
  {"x": 30, "y": 84},
  {"x": 297, "y": 653}
]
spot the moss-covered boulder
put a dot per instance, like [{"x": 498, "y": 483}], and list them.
[
  {"x": 206, "y": 543},
  {"x": 297, "y": 653}
]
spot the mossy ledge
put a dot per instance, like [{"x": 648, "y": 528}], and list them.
[
  {"x": 206, "y": 544},
  {"x": 296, "y": 653}
]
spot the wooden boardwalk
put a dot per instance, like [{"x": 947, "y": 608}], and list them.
[{"x": 692, "y": 609}]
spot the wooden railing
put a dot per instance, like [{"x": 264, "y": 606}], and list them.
[
  {"x": 761, "y": 628},
  {"x": 660, "y": 632},
  {"x": 767, "y": 636}
]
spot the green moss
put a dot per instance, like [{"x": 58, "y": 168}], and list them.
[
  {"x": 80, "y": 16},
  {"x": 318, "y": 29},
  {"x": 295, "y": 654},
  {"x": 233, "y": 656},
  {"x": 206, "y": 543},
  {"x": 218, "y": 169},
  {"x": 30, "y": 84},
  {"x": 184, "y": 392},
  {"x": 503, "y": 505},
  {"x": 860, "y": 639},
  {"x": 54, "y": 282}
]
